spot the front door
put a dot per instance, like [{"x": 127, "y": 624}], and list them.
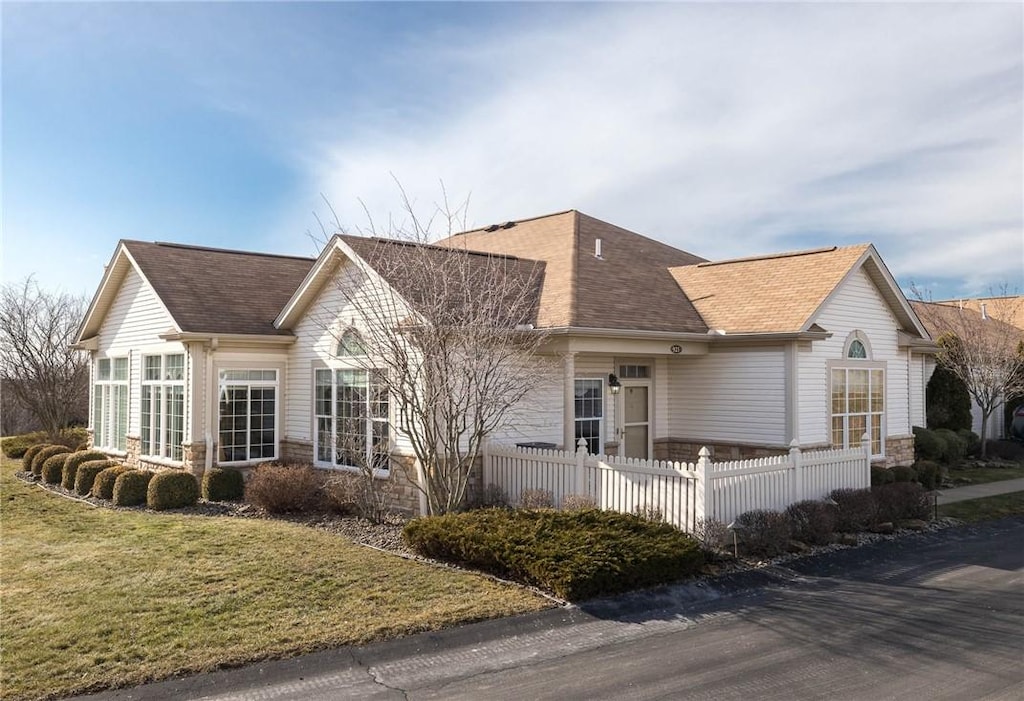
[{"x": 636, "y": 420}]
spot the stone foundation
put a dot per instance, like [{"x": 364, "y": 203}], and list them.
[
  {"x": 194, "y": 457},
  {"x": 682, "y": 450},
  {"x": 899, "y": 450}
]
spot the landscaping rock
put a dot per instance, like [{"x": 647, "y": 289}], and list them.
[
  {"x": 796, "y": 546},
  {"x": 886, "y": 527},
  {"x": 846, "y": 538}
]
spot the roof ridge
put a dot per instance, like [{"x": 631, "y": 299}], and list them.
[
  {"x": 212, "y": 249},
  {"x": 436, "y": 247},
  {"x": 774, "y": 256},
  {"x": 513, "y": 221}
]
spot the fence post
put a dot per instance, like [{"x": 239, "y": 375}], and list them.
[
  {"x": 865, "y": 442},
  {"x": 700, "y": 502},
  {"x": 488, "y": 471},
  {"x": 796, "y": 459},
  {"x": 580, "y": 480}
]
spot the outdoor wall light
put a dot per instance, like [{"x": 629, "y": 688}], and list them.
[{"x": 613, "y": 383}]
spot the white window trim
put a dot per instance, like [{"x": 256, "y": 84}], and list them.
[
  {"x": 164, "y": 451},
  {"x": 332, "y": 465},
  {"x": 859, "y": 364},
  {"x": 602, "y": 425},
  {"x": 108, "y": 409},
  {"x": 276, "y": 384}
]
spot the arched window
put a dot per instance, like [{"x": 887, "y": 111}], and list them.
[
  {"x": 857, "y": 350},
  {"x": 350, "y": 345}
]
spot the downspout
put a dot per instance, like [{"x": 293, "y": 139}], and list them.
[{"x": 210, "y": 396}]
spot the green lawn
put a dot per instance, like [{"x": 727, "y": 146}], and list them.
[
  {"x": 986, "y": 509},
  {"x": 95, "y": 598},
  {"x": 982, "y": 475}
]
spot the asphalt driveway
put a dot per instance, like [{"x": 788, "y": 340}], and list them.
[{"x": 931, "y": 616}]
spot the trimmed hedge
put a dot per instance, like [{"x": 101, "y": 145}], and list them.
[
  {"x": 15, "y": 446},
  {"x": 856, "y": 509},
  {"x": 130, "y": 487},
  {"x": 956, "y": 446},
  {"x": 972, "y": 439},
  {"x": 52, "y": 469},
  {"x": 103, "y": 485},
  {"x": 928, "y": 445},
  {"x": 223, "y": 484},
  {"x": 43, "y": 455},
  {"x": 172, "y": 489},
  {"x": 764, "y": 532},
  {"x": 86, "y": 475},
  {"x": 929, "y": 474},
  {"x": 71, "y": 463},
  {"x": 904, "y": 473},
  {"x": 903, "y": 500},
  {"x": 881, "y": 475},
  {"x": 30, "y": 454},
  {"x": 812, "y": 522},
  {"x": 577, "y": 555}
]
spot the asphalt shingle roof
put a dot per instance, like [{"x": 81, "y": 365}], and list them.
[{"x": 209, "y": 290}]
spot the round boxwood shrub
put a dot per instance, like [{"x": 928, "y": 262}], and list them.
[
  {"x": 972, "y": 439},
  {"x": 30, "y": 454},
  {"x": 881, "y": 475},
  {"x": 904, "y": 473},
  {"x": 43, "y": 455},
  {"x": 956, "y": 446},
  {"x": 52, "y": 468},
  {"x": 71, "y": 463},
  {"x": 172, "y": 489},
  {"x": 86, "y": 475},
  {"x": 223, "y": 484},
  {"x": 130, "y": 487},
  {"x": 928, "y": 445},
  {"x": 15, "y": 446},
  {"x": 103, "y": 485}
]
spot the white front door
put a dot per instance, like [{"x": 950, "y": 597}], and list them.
[{"x": 636, "y": 420}]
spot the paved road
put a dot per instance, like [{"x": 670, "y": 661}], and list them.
[{"x": 933, "y": 616}]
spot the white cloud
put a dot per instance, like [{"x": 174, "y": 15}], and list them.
[{"x": 729, "y": 130}]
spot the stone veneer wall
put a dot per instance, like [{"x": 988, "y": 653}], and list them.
[
  {"x": 404, "y": 492},
  {"x": 899, "y": 450}
]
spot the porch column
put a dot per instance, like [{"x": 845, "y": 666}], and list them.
[{"x": 569, "y": 402}]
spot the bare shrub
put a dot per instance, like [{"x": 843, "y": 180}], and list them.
[
  {"x": 578, "y": 502},
  {"x": 536, "y": 499},
  {"x": 281, "y": 489},
  {"x": 711, "y": 534},
  {"x": 856, "y": 509},
  {"x": 902, "y": 500},
  {"x": 492, "y": 496},
  {"x": 812, "y": 522},
  {"x": 764, "y": 532}
]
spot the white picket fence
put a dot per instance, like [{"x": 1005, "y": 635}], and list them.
[{"x": 681, "y": 492}]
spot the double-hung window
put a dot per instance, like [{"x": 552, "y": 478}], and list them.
[
  {"x": 163, "y": 405},
  {"x": 589, "y": 413},
  {"x": 248, "y": 415},
  {"x": 857, "y": 399},
  {"x": 352, "y": 425},
  {"x": 110, "y": 403}
]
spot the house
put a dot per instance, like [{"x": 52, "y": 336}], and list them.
[
  {"x": 996, "y": 319},
  {"x": 206, "y": 357}
]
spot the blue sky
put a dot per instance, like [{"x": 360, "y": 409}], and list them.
[{"x": 725, "y": 130}]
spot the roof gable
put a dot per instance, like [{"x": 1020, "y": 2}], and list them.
[
  {"x": 204, "y": 290},
  {"x": 627, "y": 286},
  {"x": 784, "y": 293}
]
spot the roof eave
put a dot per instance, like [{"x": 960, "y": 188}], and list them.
[
  {"x": 693, "y": 336},
  {"x": 236, "y": 338}
]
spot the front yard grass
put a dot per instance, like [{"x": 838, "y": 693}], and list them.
[
  {"x": 985, "y": 509},
  {"x": 983, "y": 475},
  {"x": 95, "y": 598}
]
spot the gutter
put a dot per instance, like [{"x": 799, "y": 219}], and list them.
[
  {"x": 709, "y": 337},
  {"x": 239, "y": 338}
]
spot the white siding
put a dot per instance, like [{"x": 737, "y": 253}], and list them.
[
  {"x": 857, "y": 305},
  {"x": 918, "y": 383},
  {"x": 729, "y": 395},
  {"x": 132, "y": 327}
]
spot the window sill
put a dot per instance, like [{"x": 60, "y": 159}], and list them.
[
  {"x": 160, "y": 460},
  {"x": 113, "y": 452},
  {"x": 244, "y": 463}
]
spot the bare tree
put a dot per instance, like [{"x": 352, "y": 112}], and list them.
[
  {"x": 985, "y": 353},
  {"x": 38, "y": 366},
  {"x": 445, "y": 334}
]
